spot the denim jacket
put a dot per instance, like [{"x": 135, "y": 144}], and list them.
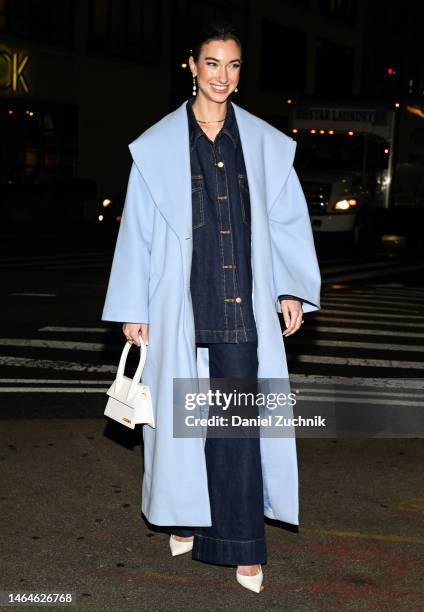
[{"x": 221, "y": 275}]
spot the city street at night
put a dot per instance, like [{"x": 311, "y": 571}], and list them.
[
  {"x": 360, "y": 539},
  {"x": 236, "y": 188}
]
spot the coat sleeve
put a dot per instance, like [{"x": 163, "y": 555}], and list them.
[
  {"x": 295, "y": 264},
  {"x": 127, "y": 293}
]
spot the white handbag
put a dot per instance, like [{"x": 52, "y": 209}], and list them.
[{"x": 130, "y": 402}]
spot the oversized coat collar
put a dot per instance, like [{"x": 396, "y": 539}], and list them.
[{"x": 162, "y": 155}]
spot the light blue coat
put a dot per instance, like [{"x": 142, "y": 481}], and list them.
[{"x": 150, "y": 283}]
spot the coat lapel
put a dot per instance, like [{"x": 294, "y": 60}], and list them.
[
  {"x": 268, "y": 156},
  {"x": 162, "y": 155}
]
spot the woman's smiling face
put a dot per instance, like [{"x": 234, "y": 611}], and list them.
[{"x": 217, "y": 69}]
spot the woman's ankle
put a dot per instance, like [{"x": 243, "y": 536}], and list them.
[
  {"x": 182, "y": 538},
  {"x": 249, "y": 570}
]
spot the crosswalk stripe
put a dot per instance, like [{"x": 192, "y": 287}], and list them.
[
  {"x": 43, "y": 263},
  {"x": 55, "y": 381},
  {"x": 330, "y": 301},
  {"x": 379, "y": 315},
  {"x": 373, "y": 273},
  {"x": 353, "y": 400},
  {"x": 372, "y": 313},
  {"x": 35, "y": 294},
  {"x": 51, "y": 390},
  {"x": 340, "y": 392},
  {"x": 367, "y": 331},
  {"x": 55, "y": 256},
  {"x": 364, "y": 266},
  {"x": 98, "y": 346},
  {"x": 385, "y": 383},
  {"x": 57, "y": 328},
  {"x": 384, "y": 322},
  {"x": 56, "y": 344},
  {"x": 374, "y": 299},
  {"x": 49, "y": 364},
  {"x": 80, "y": 266},
  {"x": 404, "y": 294},
  {"x": 359, "y": 361},
  {"x": 376, "y": 346},
  {"x": 400, "y": 290}
]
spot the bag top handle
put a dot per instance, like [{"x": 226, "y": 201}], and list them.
[{"x": 123, "y": 361}]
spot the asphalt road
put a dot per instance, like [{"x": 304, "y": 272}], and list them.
[
  {"x": 55, "y": 351},
  {"x": 70, "y": 501}
]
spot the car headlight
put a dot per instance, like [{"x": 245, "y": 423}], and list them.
[{"x": 345, "y": 204}]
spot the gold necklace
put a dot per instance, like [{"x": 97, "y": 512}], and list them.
[{"x": 208, "y": 122}]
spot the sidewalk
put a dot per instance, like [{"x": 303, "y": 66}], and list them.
[{"x": 70, "y": 508}]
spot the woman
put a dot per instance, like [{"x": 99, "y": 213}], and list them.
[{"x": 215, "y": 240}]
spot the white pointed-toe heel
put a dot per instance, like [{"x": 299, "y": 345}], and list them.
[
  {"x": 178, "y": 548},
  {"x": 253, "y": 583}
]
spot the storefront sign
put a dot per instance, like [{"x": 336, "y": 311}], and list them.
[{"x": 12, "y": 67}]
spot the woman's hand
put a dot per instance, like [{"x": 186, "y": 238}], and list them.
[
  {"x": 293, "y": 316},
  {"x": 132, "y": 331}
]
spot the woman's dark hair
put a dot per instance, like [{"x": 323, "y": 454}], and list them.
[{"x": 214, "y": 31}]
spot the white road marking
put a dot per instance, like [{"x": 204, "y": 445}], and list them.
[
  {"x": 56, "y": 381},
  {"x": 48, "y": 257},
  {"x": 83, "y": 265},
  {"x": 96, "y": 330},
  {"x": 356, "y": 266},
  {"x": 69, "y": 366},
  {"x": 385, "y": 383},
  {"x": 51, "y": 390},
  {"x": 373, "y": 274},
  {"x": 376, "y": 346},
  {"x": 372, "y": 313},
  {"x": 338, "y": 261},
  {"x": 359, "y": 361},
  {"x": 353, "y": 400},
  {"x": 387, "y": 322},
  {"x": 371, "y": 307},
  {"x": 56, "y": 344},
  {"x": 301, "y": 397},
  {"x": 349, "y": 391},
  {"x": 395, "y": 289},
  {"x": 35, "y": 294},
  {"x": 41, "y": 262},
  {"x": 368, "y": 330},
  {"x": 405, "y": 293},
  {"x": 43, "y": 265},
  {"x": 373, "y": 299}
]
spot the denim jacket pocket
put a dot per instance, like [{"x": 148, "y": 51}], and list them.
[
  {"x": 197, "y": 200},
  {"x": 244, "y": 198}
]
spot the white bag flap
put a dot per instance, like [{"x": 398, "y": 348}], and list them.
[{"x": 129, "y": 394}]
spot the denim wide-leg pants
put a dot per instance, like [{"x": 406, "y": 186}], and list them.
[{"x": 234, "y": 470}]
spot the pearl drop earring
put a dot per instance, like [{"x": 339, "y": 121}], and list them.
[{"x": 194, "y": 85}]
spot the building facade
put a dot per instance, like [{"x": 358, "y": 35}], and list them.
[{"x": 80, "y": 79}]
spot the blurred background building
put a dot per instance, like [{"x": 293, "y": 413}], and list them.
[{"x": 80, "y": 79}]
